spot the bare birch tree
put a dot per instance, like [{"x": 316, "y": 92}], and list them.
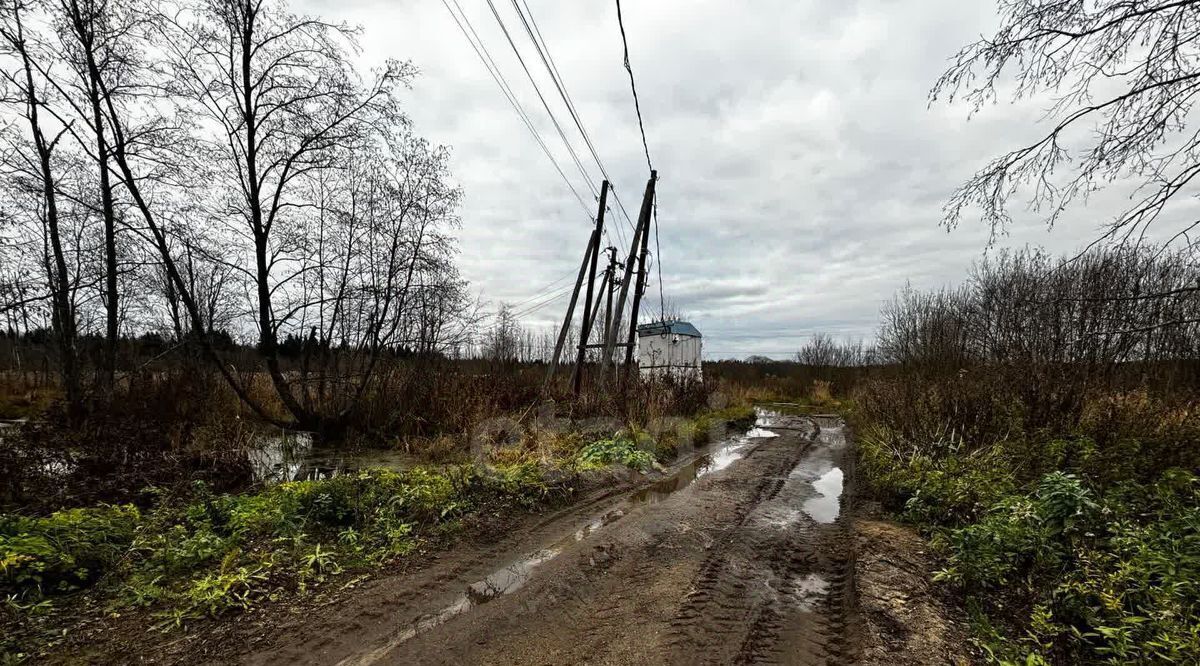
[{"x": 1125, "y": 73}]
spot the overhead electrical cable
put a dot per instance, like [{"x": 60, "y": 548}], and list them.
[
  {"x": 544, "y": 290},
  {"x": 633, "y": 86},
  {"x": 543, "y": 51},
  {"x": 553, "y": 119},
  {"x": 489, "y": 64},
  {"x": 646, "y": 147}
]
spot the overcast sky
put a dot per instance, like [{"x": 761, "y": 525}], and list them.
[{"x": 801, "y": 171}]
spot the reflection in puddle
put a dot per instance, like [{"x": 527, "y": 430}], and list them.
[
  {"x": 596, "y": 523},
  {"x": 293, "y": 456},
  {"x": 500, "y": 582},
  {"x": 825, "y": 507},
  {"x": 758, "y": 433},
  {"x": 722, "y": 457},
  {"x": 508, "y": 579}
]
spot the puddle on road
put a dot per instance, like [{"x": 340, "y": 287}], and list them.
[
  {"x": 760, "y": 433},
  {"x": 514, "y": 576},
  {"x": 498, "y": 583},
  {"x": 714, "y": 461},
  {"x": 827, "y": 505},
  {"x": 596, "y": 523},
  {"x": 508, "y": 579},
  {"x": 808, "y": 590},
  {"x": 814, "y": 487}
]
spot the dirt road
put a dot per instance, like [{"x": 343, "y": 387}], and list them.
[{"x": 738, "y": 556}]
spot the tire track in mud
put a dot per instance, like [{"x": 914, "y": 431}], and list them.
[
  {"x": 745, "y": 562},
  {"x": 776, "y": 590}
]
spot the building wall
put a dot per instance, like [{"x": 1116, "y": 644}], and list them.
[{"x": 678, "y": 355}]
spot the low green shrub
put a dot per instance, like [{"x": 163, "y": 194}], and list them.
[
  {"x": 1022, "y": 536},
  {"x": 63, "y": 551},
  {"x": 620, "y": 450},
  {"x": 214, "y": 553},
  {"x": 1102, "y": 580}
]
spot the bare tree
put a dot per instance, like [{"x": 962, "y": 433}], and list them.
[
  {"x": 1127, "y": 72},
  {"x": 32, "y": 165},
  {"x": 229, "y": 159},
  {"x": 95, "y": 35}
]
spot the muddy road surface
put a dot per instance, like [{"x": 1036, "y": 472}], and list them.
[{"x": 739, "y": 556}]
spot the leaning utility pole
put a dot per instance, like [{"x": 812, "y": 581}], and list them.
[
  {"x": 588, "y": 317},
  {"x": 589, "y": 258},
  {"x": 575, "y": 380},
  {"x": 637, "y": 295},
  {"x": 642, "y": 229}
]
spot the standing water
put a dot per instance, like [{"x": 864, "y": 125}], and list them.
[{"x": 295, "y": 456}]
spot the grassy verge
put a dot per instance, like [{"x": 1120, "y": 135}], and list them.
[
  {"x": 1074, "y": 545},
  {"x": 212, "y": 554},
  {"x": 201, "y": 553}
]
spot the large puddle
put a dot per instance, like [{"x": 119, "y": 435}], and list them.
[
  {"x": 514, "y": 576},
  {"x": 825, "y": 479},
  {"x": 294, "y": 456},
  {"x": 827, "y": 505}
]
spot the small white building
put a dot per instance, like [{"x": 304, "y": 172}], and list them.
[{"x": 669, "y": 348}]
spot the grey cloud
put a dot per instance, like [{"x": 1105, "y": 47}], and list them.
[{"x": 802, "y": 170}]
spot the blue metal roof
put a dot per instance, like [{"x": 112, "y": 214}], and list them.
[{"x": 668, "y": 327}]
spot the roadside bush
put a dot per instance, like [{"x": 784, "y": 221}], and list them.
[
  {"x": 205, "y": 553},
  {"x": 1072, "y": 539},
  {"x": 63, "y": 551},
  {"x": 623, "y": 451},
  {"x": 1111, "y": 580}
]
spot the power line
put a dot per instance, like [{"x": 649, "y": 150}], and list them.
[
  {"x": 553, "y": 296},
  {"x": 543, "y": 50},
  {"x": 662, "y": 305},
  {"x": 498, "y": 77},
  {"x": 633, "y": 86},
  {"x": 542, "y": 54},
  {"x": 544, "y": 290},
  {"x": 553, "y": 119},
  {"x": 550, "y": 299}
]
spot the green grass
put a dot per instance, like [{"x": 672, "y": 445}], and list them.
[
  {"x": 619, "y": 450},
  {"x": 212, "y": 554},
  {"x": 1060, "y": 552},
  {"x": 207, "y": 554}
]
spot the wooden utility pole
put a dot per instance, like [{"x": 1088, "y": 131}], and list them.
[
  {"x": 594, "y": 319},
  {"x": 641, "y": 229},
  {"x": 588, "y": 259},
  {"x": 639, "y": 289},
  {"x": 586, "y": 328},
  {"x": 610, "y": 275}
]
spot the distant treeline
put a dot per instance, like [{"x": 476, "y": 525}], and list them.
[{"x": 1124, "y": 314}]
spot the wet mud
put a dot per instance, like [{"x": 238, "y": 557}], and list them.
[{"x": 739, "y": 555}]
